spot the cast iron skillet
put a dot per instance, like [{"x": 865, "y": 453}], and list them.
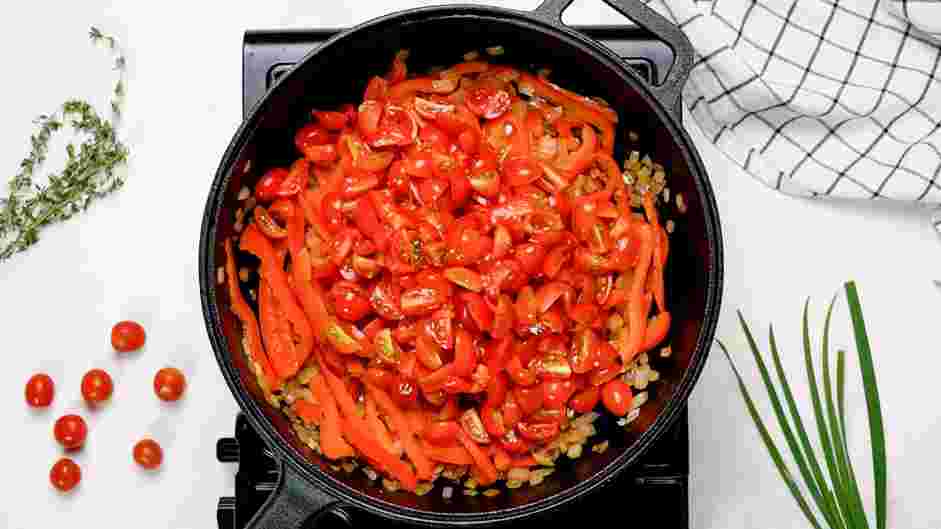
[{"x": 336, "y": 73}]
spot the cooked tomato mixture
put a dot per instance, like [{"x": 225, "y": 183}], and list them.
[{"x": 453, "y": 275}]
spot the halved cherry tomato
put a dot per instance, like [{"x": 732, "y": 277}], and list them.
[
  {"x": 487, "y": 102},
  {"x": 350, "y": 300},
  {"x": 439, "y": 327},
  {"x": 477, "y": 310},
  {"x": 520, "y": 375},
  {"x": 492, "y": 418},
  {"x": 419, "y": 165},
  {"x": 513, "y": 443},
  {"x": 538, "y": 432},
  {"x": 484, "y": 176},
  {"x": 530, "y": 399},
  {"x": 512, "y": 412},
  {"x": 375, "y": 89},
  {"x": 385, "y": 299},
  {"x": 332, "y": 212},
  {"x": 309, "y": 135},
  {"x": 420, "y": 301},
  {"x": 396, "y": 128},
  {"x": 368, "y": 116},
  {"x": 329, "y": 119},
  {"x": 603, "y": 375},
  {"x": 556, "y": 393},
  {"x": 521, "y": 171},
  {"x": 428, "y": 352},
  {"x": 617, "y": 397}
]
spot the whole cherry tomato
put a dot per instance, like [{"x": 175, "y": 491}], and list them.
[
  {"x": 169, "y": 384},
  {"x": 617, "y": 397},
  {"x": 148, "y": 454},
  {"x": 65, "y": 474},
  {"x": 97, "y": 386},
  {"x": 127, "y": 336},
  {"x": 70, "y": 431},
  {"x": 39, "y": 390}
]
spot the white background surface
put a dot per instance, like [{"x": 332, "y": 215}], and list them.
[{"x": 134, "y": 257}]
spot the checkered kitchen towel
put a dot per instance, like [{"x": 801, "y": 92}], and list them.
[{"x": 821, "y": 97}]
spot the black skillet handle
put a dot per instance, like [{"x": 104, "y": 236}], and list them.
[
  {"x": 295, "y": 503},
  {"x": 683, "y": 54}
]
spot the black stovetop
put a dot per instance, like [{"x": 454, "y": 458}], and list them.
[{"x": 653, "y": 491}]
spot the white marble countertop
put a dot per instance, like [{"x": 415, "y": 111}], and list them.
[{"x": 134, "y": 256}]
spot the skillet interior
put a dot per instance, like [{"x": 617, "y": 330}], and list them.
[{"x": 336, "y": 73}]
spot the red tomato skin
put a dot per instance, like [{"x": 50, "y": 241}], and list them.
[
  {"x": 65, "y": 474},
  {"x": 127, "y": 336},
  {"x": 70, "y": 431},
  {"x": 617, "y": 397},
  {"x": 169, "y": 384},
  {"x": 40, "y": 390},
  {"x": 148, "y": 454},
  {"x": 97, "y": 386}
]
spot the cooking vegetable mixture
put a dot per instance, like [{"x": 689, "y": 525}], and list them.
[{"x": 452, "y": 276}]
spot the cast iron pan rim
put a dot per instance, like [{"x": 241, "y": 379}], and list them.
[{"x": 344, "y": 492}]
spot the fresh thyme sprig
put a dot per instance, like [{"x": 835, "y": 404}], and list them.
[
  {"x": 90, "y": 170},
  {"x": 836, "y": 493}
]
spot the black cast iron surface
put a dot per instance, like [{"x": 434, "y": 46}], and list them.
[
  {"x": 651, "y": 493},
  {"x": 653, "y": 490}
]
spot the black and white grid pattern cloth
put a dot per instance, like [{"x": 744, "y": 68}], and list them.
[{"x": 821, "y": 97}]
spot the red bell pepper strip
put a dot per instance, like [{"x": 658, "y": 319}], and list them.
[
  {"x": 254, "y": 242},
  {"x": 403, "y": 427},
  {"x": 403, "y": 90},
  {"x": 501, "y": 459},
  {"x": 276, "y": 332},
  {"x": 658, "y": 258},
  {"x": 367, "y": 221},
  {"x": 331, "y": 442},
  {"x": 466, "y": 68},
  {"x": 309, "y": 412},
  {"x": 356, "y": 433},
  {"x": 452, "y": 455},
  {"x": 378, "y": 428},
  {"x": 576, "y": 108},
  {"x": 488, "y": 472},
  {"x": 436, "y": 379},
  {"x": 657, "y": 329},
  {"x": 523, "y": 462},
  {"x": 635, "y": 315},
  {"x": 581, "y": 159},
  {"x": 250, "y": 334}
]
